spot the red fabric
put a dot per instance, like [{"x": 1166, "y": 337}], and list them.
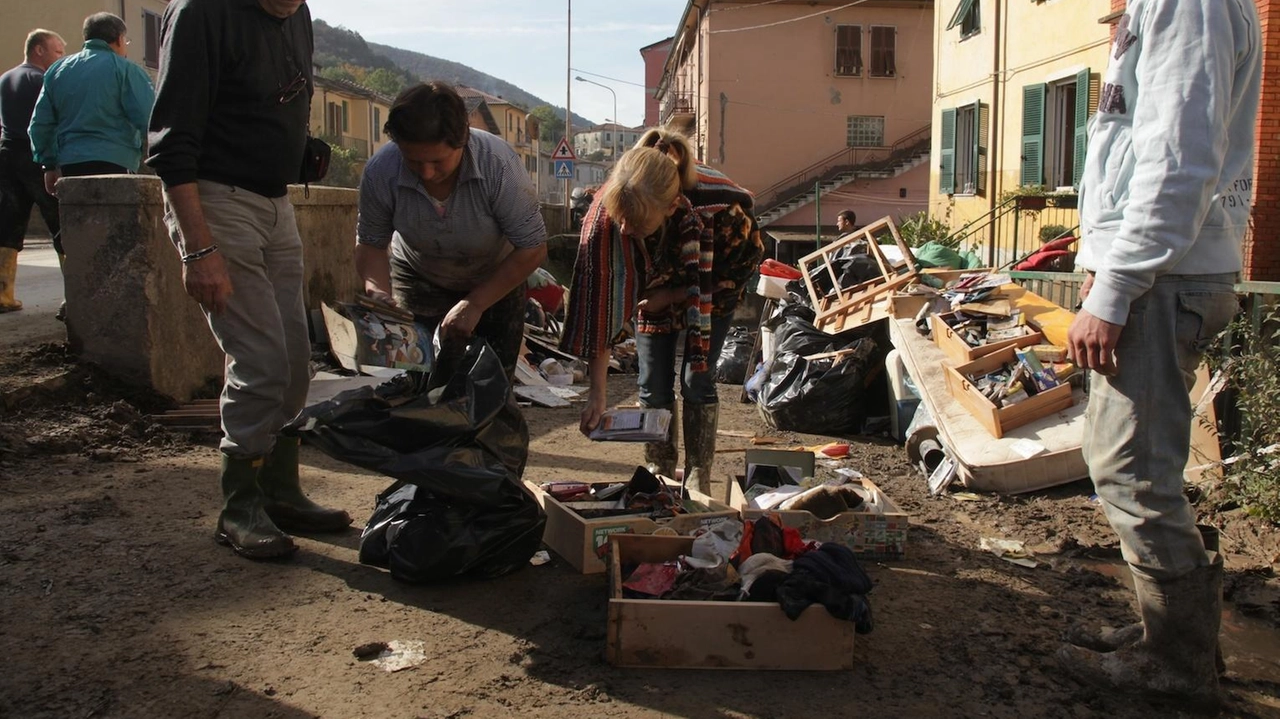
[
  {"x": 1061, "y": 243},
  {"x": 549, "y": 296},
  {"x": 774, "y": 268},
  {"x": 1039, "y": 260}
]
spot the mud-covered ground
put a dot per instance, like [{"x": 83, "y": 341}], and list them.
[{"x": 117, "y": 603}]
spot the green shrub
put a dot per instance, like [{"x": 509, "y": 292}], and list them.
[
  {"x": 919, "y": 228},
  {"x": 1251, "y": 364},
  {"x": 1049, "y": 233}
]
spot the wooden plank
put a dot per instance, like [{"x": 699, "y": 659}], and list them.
[{"x": 527, "y": 375}]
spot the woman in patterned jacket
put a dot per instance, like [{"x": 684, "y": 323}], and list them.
[{"x": 667, "y": 246}]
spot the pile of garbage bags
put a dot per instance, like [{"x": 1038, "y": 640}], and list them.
[{"x": 456, "y": 444}]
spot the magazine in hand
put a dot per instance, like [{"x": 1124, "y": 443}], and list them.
[{"x": 633, "y": 425}]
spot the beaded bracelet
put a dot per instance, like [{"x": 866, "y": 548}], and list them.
[{"x": 199, "y": 254}]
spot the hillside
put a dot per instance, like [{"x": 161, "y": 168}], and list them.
[{"x": 338, "y": 46}]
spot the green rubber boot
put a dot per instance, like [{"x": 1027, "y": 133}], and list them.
[
  {"x": 287, "y": 506},
  {"x": 660, "y": 457},
  {"x": 244, "y": 524},
  {"x": 699, "y": 444}
]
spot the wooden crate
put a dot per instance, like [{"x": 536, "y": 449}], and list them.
[
  {"x": 655, "y": 633},
  {"x": 960, "y": 352},
  {"x": 904, "y": 305},
  {"x": 849, "y": 307},
  {"x": 998, "y": 420},
  {"x": 869, "y": 534},
  {"x": 582, "y": 542}
]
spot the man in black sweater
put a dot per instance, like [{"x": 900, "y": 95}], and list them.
[
  {"x": 21, "y": 179},
  {"x": 228, "y": 133}
]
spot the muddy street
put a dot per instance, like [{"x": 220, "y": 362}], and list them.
[{"x": 117, "y": 602}]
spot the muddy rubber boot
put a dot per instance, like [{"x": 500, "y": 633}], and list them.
[
  {"x": 699, "y": 444},
  {"x": 8, "y": 278},
  {"x": 660, "y": 457},
  {"x": 244, "y": 524},
  {"x": 1107, "y": 639},
  {"x": 287, "y": 506},
  {"x": 1175, "y": 657}
]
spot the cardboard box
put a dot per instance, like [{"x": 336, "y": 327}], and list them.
[
  {"x": 583, "y": 542},
  {"x": 656, "y": 633},
  {"x": 871, "y": 535},
  {"x": 999, "y": 420},
  {"x": 959, "y": 351}
]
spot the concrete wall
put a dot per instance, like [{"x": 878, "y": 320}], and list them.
[
  {"x": 66, "y": 17},
  {"x": 870, "y": 199},
  {"x": 127, "y": 310}
]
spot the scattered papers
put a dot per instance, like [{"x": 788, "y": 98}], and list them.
[
  {"x": 633, "y": 425},
  {"x": 1010, "y": 550},
  {"x": 965, "y": 497},
  {"x": 540, "y": 558},
  {"x": 943, "y": 476},
  {"x": 541, "y": 396}
]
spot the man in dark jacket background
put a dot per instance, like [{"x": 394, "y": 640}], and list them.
[
  {"x": 21, "y": 180},
  {"x": 228, "y": 133}
]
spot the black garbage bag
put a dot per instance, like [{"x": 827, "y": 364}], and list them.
[
  {"x": 456, "y": 443},
  {"x": 852, "y": 266},
  {"x": 819, "y": 396},
  {"x": 735, "y": 355}
]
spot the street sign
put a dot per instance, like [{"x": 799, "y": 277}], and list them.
[
  {"x": 564, "y": 152},
  {"x": 564, "y": 169}
]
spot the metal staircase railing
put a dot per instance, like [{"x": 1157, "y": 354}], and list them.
[{"x": 847, "y": 159}]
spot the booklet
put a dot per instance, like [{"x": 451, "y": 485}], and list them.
[{"x": 633, "y": 425}]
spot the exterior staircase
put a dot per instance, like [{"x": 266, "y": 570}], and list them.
[{"x": 832, "y": 173}]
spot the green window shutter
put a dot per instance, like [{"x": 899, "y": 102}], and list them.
[
  {"x": 1082, "y": 125},
  {"x": 1033, "y": 134},
  {"x": 981, "y": 123},
  {"x": 961, "y": 11},
  {"x": 346, "y": 119},
  {"x": 947, "y": 156}
]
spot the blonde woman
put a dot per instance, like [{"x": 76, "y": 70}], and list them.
[{"x": 667, "y": 246}]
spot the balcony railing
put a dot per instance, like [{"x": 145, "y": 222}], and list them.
[
  {"x": 359, "y": 145},
  {"x": 675, "y": 103}
]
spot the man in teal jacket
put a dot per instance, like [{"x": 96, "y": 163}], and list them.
[
  {"x": 1165, "y": 200},
  {"x": 91, "y": 118}
]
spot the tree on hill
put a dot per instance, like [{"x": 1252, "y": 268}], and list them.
[{"x": 550, "y": 125}]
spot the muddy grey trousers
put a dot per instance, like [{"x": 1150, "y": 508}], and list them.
[
  {"x": 1138, "y": 423},
  {"x": 263, "y": 331}
]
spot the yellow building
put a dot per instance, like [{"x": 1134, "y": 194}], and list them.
[
  {"x": 349, "y": 115},
  {"x": 1010, "y": 107},
  {"x": 514, "y": 124},
  {"x": 66, "y": 17}
]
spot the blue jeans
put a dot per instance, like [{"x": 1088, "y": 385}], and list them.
[
  {"x": 1138, "y": 423},
  {"x": 657, "y": 356}
]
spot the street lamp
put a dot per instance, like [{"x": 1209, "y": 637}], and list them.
[{"x": 580, "y": 78}]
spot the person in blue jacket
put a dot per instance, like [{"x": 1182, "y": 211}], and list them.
[{"x": 91, "y": 117}]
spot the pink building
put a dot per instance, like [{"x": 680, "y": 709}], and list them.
[
  {"x": 655, "y": 59},
  {"x": 808, "y": 104}
]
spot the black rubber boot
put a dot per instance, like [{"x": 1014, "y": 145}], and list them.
[
  {"x": 244, "y": 524},
  {"x": 660, "y": 457},
  {"x": 699, "y": 443},
  {"x": 286, "y": 504},
  {"x": 1174, "y": 659}
]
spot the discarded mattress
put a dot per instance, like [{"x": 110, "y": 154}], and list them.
[{"x": 985, "y": 463}]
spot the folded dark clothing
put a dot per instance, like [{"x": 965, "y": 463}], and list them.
[
  {"x": 765, "y": 588},
  {"x": 829, "y": 576}
]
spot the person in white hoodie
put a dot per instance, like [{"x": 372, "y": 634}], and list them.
[{"x": 1165, "y": 201}]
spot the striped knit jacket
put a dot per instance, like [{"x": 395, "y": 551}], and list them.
[{"x": 711, "y": 246}]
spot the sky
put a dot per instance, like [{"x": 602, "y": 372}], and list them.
[{"x": 524, "y": 42}]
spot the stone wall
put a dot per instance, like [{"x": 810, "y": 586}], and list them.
[{"x": 126, "y": 308}]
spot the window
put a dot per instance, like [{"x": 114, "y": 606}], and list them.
[
  {"x": 150, "y": 39},
  {"x": 883, "y": 46},
  {"x": 346, "y": 116},
  {"x": 1054, "y": 131},
  {"x": 333, "y": 120},
  {"x": 377, "y": 124},
  {"x": 963, "y": 157},
  {"x": 967, "y": 18},
  {"x": 865, "y": 131},
  {"x": 848, "y": 50}
]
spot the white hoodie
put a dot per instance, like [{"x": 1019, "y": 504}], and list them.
[{"x": 1168, "y": 178}]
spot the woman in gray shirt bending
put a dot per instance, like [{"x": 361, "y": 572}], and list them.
[{"x": 449, "y": 225}]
